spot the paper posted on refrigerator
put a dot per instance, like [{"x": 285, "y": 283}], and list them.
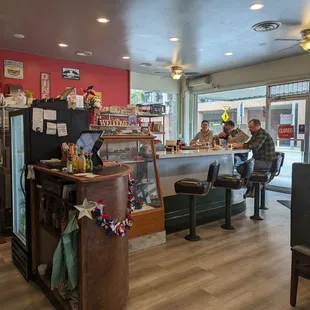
[
  {"x": 62, "y": 129},
  {"x": 50, "y": 115},
  {"x": 37, "y": 120},
  {"x": 51, "y": 128}
]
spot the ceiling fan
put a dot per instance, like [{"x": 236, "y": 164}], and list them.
[
  {"x": 304, "y": 42},
  {"x": 177, "y": 73}
]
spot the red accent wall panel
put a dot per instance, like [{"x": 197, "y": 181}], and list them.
[{"x": 113, "y": 83}]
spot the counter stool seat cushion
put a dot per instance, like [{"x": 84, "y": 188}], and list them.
[
  {"x": 228, "y": 181},
  {"x": 260, "y": 177},
  {"x": 191, "y": 187}
]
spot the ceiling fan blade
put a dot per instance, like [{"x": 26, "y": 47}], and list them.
[
  {"x": 288, "y": 48},
  {"x": 191, "y": 73},
  {"x": 288, "y": 40},
  {"x": 161, "y": 72}
]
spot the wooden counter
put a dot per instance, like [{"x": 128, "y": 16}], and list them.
[{"x": 103, "y": 260}]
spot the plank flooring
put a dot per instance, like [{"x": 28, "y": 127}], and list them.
[{"x": 245, "y": 269}]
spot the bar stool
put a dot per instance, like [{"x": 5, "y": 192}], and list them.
[
  {"x": 193, "y": 188},
  {"x": 236, "y": 182},
  {"x": 275, "y": 171},
  {"x": 264, "y": 177}
]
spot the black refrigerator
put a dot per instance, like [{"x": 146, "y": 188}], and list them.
[{"x": 29, "y": 147}]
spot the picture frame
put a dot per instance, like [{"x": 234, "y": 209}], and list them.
[
  {"x": 13, "y": 69},
  {"x": 70, "y": 73},
  {"x": 45, "y": 83}
]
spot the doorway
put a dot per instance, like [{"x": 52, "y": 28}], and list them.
[{"x": 288, "y": 124}]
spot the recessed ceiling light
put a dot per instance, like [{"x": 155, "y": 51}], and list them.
[
  {"x": 256, "y": 6},
  {"x": 85, "y": 54},
  {"x": 229, "y": 54},
  {"x": 145, "y": 64},
  {"x": 126, "y": 57},
  {"x": 102, "y": 20},
  {"x": 18, "y": 36},
  {"x": 63, "y": 45},
  {"x": 174, "y": 39}
]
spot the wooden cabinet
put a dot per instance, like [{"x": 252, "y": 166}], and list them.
[{"x": 103, "y": 279}]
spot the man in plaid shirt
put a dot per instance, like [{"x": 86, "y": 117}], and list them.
[{"x": 263, "y": 148}]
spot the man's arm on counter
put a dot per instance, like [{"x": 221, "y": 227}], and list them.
[{"x": 195, "y": 139}]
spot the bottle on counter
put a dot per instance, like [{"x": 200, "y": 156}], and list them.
[
  {"x": 82, "y": 160},
  {"x": 90, "y": 165},
  {"x": 75, "y": 159},
  {"x": 70, "y": 165}
]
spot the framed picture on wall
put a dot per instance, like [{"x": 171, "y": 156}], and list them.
[
  {"x": 45, "y": 82},
  {"x": 13, "y": 69},
  {"x": 70, "y": 73}
]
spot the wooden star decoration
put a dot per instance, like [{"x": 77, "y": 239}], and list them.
[{"x": 85, "y": 209}]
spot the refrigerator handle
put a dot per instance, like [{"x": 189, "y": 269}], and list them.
[{"x": 21, "y": 180}]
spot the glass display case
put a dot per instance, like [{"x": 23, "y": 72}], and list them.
[
  {"x": 137, "y": 151},
  {"x": 18, "y": 179}
]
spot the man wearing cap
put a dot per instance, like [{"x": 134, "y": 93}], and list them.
[{"x": 228, "y": 134}]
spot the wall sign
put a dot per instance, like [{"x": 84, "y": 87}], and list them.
[
  {"x": 285, "y": 131},
  {"x": 45, "y": 85},
  {"x": 13, "y": 69},
  {"x": 70, "y": 74}
]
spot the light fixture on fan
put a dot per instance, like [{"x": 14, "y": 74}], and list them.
[
  {"x": 305, "y": 45},
  {"x": 176, "y": 73}
]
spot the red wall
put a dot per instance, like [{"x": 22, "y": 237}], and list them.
[{"x": 113, "y": 83}]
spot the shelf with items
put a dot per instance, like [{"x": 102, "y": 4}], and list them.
[
  {"x": 97, "y": 275},
  {"x": 139, "y": 153}
]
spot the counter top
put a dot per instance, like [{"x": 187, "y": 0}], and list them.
[
  {"x": 198, "y": 153},
  {"x": 105, "y": 174}
]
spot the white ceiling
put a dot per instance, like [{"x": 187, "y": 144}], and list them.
[{"x": 141, "y": 28}]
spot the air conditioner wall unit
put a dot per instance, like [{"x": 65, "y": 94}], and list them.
[{"x": 204, "y": 80}]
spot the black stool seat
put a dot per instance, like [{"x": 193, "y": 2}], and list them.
[
  {"x": 260, "y": 177},
  {"x": 229, "y": 181},
  {"x": 192, "y": 187}
]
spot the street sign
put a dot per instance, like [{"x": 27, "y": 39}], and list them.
[
  {"x": 285, "y": 131},
  {"x": 225, "y": 115}
]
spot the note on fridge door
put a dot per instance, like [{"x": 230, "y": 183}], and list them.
[
  {"x": 51, "y": 128},
  {"x": 50, "y": 115},
  {"x": 37, "y": 120},
  {"x": 62, "y": 129}
]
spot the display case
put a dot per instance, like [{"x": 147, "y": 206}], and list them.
[{"x": 139, "y": 152}]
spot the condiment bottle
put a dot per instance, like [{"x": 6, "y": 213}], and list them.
[
  {"x": 75, "y": 160},
  {"x": 70, "y": 165},
  {"x": 82, "y": 160}
]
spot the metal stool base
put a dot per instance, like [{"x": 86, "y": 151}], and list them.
[
  {"x": 264, "y": 208},
  {"x": 192, "y": 238},
  {"x": 228, "y": 227},
  {"x": 256, "y": 217}
]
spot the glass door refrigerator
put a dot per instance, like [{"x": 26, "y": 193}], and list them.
[
  {"x": 29, "y": 147},
  {"x": 20, "y": 241}
]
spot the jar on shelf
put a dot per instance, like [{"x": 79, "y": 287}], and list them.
[{"x": 146, "y": 150}]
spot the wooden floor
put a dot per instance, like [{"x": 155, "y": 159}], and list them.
[{"x": 248, "y": 268}]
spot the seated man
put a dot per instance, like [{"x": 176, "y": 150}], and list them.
[
  {"x": 203, "y": 136},
  {"x": 263, "y": 148},
  {"x": 229, "y": 134}
]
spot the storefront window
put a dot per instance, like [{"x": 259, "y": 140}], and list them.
[
  {"x": 240, "y": 106},
  {"x": 169, "y": 100}
]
